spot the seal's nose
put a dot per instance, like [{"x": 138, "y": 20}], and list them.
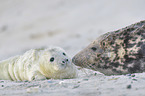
[
  {"x": 82, "y": 58},
  {"x": 64, "y": 62},
  {"x": 77, "y": 60}
]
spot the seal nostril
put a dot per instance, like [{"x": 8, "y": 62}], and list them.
[
  {"x": 66, "y": 59},
  {"x": 63, "y": 62}
]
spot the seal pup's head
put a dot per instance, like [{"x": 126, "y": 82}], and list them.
[{"x": 55, "y": 63}]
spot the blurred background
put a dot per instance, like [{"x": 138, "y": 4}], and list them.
[{"x": 70, "y": 24}]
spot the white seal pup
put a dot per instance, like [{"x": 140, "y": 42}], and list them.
[{"x": 38, "y": 64}]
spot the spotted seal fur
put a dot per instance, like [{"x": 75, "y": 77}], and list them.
[
  {"x": 38, "y": 64},
  {"x": 117, "y": 52}
]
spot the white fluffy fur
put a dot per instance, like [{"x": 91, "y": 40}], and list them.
[{"x": 35, "y": 65}]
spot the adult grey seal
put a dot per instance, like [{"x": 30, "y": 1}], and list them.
[
  {"x": 117, "y": 52},
  {"x": 38, "y": 64}
]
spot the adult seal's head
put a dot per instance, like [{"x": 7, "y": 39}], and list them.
[{"x": 117, "y": 52}]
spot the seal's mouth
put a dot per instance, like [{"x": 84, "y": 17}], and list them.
[
  {"x": 83, "y": 59},
  {"x": 75, "y": 60},
  {"x": 78, "y": 60},
  {"x": 63, "y": 65},
  {"x": 60, "y": 66}
]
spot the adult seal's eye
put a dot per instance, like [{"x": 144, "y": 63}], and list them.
[{"x": 51, "y": 59}]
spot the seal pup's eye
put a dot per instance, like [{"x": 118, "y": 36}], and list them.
[
  {"x": 51, "y": 59},
  {"x": 64, "y": 54}
]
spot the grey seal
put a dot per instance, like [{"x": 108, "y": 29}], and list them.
[{"x": 117, "y": 52}]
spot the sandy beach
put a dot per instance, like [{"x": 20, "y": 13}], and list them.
[{"x": 72, "y": 25}]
